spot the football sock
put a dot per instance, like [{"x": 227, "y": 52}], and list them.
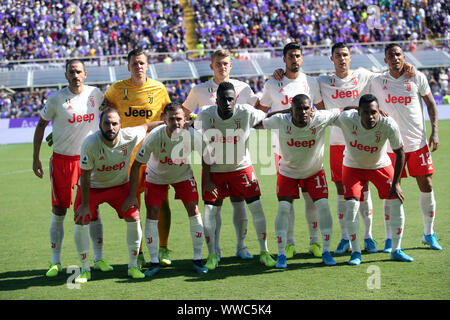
[
  {"x": 387, "y": 220},
  {"x": 151, "y": 239},
  {"x": 281, "y": 225},
  {"x": 164, "y": 220},
  {"x": 218, "y": 229},
  {"x": 56, "y": 237},
  {"x": 81, "y": 239},
  {"x": 341, "y": 214},
  {"x": 428, "y": 208},
  {"x": 291, "y": 226},
  {"x": 196, "y": 228},
  {"x": 134, "y": 237},
  {"x": 397, "y": 222},
  {"x": 210, "y": 227},
  {"x": 240, "y": 222},
  {"x": 325, "y": 222},
  {"x": 366, "y": 210},
  {"x": 259, "y": 222},
  {"x": 312, "y": 218},
  {"x": 352, "y": 223},
  {"x": 96, "y": 234}
]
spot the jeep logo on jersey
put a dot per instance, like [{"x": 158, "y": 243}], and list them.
[
  {"x": 139, "y": 112},
  {"x": 402, "y": 100},
  {"x": 118, "y": 166},
  {"x": 362, "y": 147},
  {"x": 88, "y": 117},
  {"x": 301, "y": 144},
  {"x": 287, "y": 100},
  {"x": 345, "y": 94}
]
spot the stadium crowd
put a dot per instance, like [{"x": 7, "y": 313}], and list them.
[{"x": 57, "y": 29}]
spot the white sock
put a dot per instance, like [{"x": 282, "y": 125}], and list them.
[
  {"x": 134, "y": 237},
  {"x": 152, "y": 239},
  {"x": 81, "y": 239},
  {"x": 366, "y": 210},
  {"x": 428, "y": 207},
  {"x": 325, "y": 222},
  {"x": 240, "y": 222},
  {"x": 56, "y": 237},
  {"x": 387, "y": 220},
  {"x": 281, "y": 225},
  {"x": 96, "y": 233},
  {"x": 196, "y": 228},
  {"x": 341, "y": 214},
  {"x": 218, "y": 229},
  {"x": 312, "y": 218},
  {"x": 210, "y": 227},
  {"x": 259, "y": 222},
  {"x": 291, "y": 226},
  {"x": 352, "y": 223},
  {"x": 397, "y": 222}
]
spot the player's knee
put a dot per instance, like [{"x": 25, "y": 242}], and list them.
[
  {"x": 251, "y": 199},
  {"x": 59, "y": 211}
]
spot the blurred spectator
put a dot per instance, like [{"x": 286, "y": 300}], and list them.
[
  {"x": 54, "y": 29},
  {"x": 443, "y": 81}
]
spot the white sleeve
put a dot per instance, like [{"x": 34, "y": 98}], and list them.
[
  {"x": 394, "y": 136},
  {"x": 86, "y": 155},
  {"x": 190, "y": 103},
  {"x": 266, "y": 98},
  {"x": 422, "y": 84},
  {"x": 49, "y": 110},
  {"x": 315, "y": 90},
  {"x": 143, "y": 155}
]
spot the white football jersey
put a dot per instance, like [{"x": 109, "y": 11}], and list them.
[
  {"x": 228, "y": 139},
  {"x": 204, "y": 94},
  {"x": 341, "y": 93},
  {"x": 75, "y": 116},
  {"x": 301, "y": 147},
  {"x": 367, "y": 149},
  {"x": 110, "y": 165},
  {"x": 401, "y": 98},
  {"x": 168, "y": 158},
  {"x": 278, "y": 95}
]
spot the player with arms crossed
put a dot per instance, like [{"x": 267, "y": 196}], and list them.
[
  {"x": 401, "y": 97},
  {"x": 366, "y": 133},
  {"x": 226, "y": 129},
  {"x": 301, "y": 138},
  {"x": 140, "y": 100},
  {"x": 105, "y": 158},
  {"x": 204, "y": 95},
  {"x": 278, "y": 95},
  {"x": 166, "y": 151},
  {"x": 74, "y": 111}
]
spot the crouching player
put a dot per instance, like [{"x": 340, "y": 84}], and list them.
[
  {"x": 301, "y": 138},
  {"x": 105, "y": 158},
  {"x": 366, "y": 159},
  {"x": 166, "y": 152}
]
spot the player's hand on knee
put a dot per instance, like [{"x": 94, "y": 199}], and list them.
[
  {"x": 81, "y": 213},
  {"x": 396, "y": 191},
  {"x": 130, "y": 201}
]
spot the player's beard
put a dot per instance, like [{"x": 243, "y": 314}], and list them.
[{"x": 109, "y": 137}]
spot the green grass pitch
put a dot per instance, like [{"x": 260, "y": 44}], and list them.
[{"x": 25, "y": 253}]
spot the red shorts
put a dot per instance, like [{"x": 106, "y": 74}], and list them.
[
  {"x": 64, "y": 174},
  {"x": 242, "y": 183},
  {"x": 315, "y": 185},
  {"x": 114, "y": 196},
  {"x": 186, "y": 191},
  {"x": 419, "y": 162},
  {"x": 336, "y": 160},
  {"x": 277, "y": 162},
  {"x": 354, "y": 180}
]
